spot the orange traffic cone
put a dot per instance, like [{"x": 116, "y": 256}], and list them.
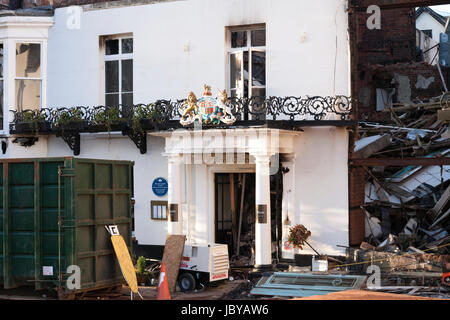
[{"x": 163, "y": 286}]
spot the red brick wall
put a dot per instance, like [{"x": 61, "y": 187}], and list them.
[
  {"x": 357, "y": 183},
  {"x": 394, "y": 42}
]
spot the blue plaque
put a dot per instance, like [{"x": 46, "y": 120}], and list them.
[{"x": 160, "y": 187}]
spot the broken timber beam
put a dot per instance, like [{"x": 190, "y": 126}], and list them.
[
  {"x": 399, "y": 162},
  {"x": 421, "y": 106},
  {"x": 379, "y": 144}
]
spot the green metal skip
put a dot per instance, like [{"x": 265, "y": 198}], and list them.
[{"x": 53, "y": 213}]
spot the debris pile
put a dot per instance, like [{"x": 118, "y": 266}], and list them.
[
  {"x": 412, "y": 260},
  {"x": 407, "y": 208}
]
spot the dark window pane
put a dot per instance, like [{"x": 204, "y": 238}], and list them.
[
  {"x": 112, "y": 76},
  {"x": 258, "y": 68},
  {"x": 127, "y": 99},
  {"x": 127, "y": 75},
  {"x": 112, "y": 100},
  {"x": 28, "y": 60},
  {"x": 112, "y": 47},
  {"x": 127, "y": 45},
  {"x": 428, "y": 32},
  {"x": 258, "y": 38},
  {"x": 238, "y": 39}
]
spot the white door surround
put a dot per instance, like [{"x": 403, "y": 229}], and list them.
[{"x": 211, "y": 151}]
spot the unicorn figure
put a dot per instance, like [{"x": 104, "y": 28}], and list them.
[{"x": 222, "y": 105}]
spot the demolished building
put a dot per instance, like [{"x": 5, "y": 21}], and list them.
[{"x": 399, "y": 165}]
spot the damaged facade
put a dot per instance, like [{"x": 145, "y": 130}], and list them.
[
  {"x": 330, "y": 124},
  {"x": 399, "y": 165}
]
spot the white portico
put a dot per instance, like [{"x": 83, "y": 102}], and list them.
[{"x": 222, "y": 150}]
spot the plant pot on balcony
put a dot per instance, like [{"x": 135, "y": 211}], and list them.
[
  {"x": 149, "y": 124},
  {"x": 32, "y": 127},
  {"x": 114, "y": 126},
  {"x": 73, "y": 126}
]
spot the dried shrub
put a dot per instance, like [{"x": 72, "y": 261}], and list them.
[{"x": 298, "y": 235}]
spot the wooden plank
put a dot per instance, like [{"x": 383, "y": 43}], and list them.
[
  {"x": 124, "y": 258},
  {"x": 383, "y": 142},
  {"x": 444, "y": 115},
  {"x": 173, "y": 251}
]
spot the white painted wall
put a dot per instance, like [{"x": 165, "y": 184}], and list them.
[
  {"x": 321, "y": 188},
  {"x": 162, "y": 68},
  {"x": 425, "y": 22},
  {"x": 307, "y": 54},
  {"x": 147, "y": 167}
]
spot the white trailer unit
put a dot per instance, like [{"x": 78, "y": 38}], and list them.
[{"x": 203, "y": 263}]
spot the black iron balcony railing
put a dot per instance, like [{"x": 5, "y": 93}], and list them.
[{"x": 136, "y": 120}]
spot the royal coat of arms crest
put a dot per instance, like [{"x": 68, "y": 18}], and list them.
[{"x": 207, "y": 110}]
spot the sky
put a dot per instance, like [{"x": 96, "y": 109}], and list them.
[{"x": 445, "y": 7}]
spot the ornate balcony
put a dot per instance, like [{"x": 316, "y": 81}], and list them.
[{"x": 135, "y": 121}]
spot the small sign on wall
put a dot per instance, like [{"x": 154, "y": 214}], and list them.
[
  {"x": 173, "y": 212},
  {"x": 47, "y": 270},
  {"x": 160, "y": 187},
  {"x": 261, "y": 213}
]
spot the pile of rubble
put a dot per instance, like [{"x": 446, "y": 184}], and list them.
[{"x": 407, "y": 208}]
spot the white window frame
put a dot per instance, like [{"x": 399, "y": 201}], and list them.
[
  {"x": 116, "y": 57},
  {"x": 40, "y": 79},
  {"x": 21, "y": 29},
  {"x": 248, "y": 48}
]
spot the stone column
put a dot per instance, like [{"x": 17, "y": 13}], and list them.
[
  {"x": 263, "y": 243},
  {"x": 175, "y": 221}
]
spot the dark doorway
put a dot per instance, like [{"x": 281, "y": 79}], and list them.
[{"x": 235, "y": 213}]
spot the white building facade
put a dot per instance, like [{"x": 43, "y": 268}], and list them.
[{"x": 95, "y": 56}]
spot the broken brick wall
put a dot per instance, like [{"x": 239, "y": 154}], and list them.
[
  {"x": 357, "y": 183},
  {"x": 393, "y": 45},
  {"x": 412, "y": 82},
  {"x": 394, "y": 42}
]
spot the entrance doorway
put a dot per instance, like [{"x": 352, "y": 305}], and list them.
[
  {"x": 235, "y": 215},
  {"x": 235, "y": 211}
]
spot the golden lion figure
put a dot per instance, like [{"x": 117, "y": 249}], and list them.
[{"x": 191, "y": 107}]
